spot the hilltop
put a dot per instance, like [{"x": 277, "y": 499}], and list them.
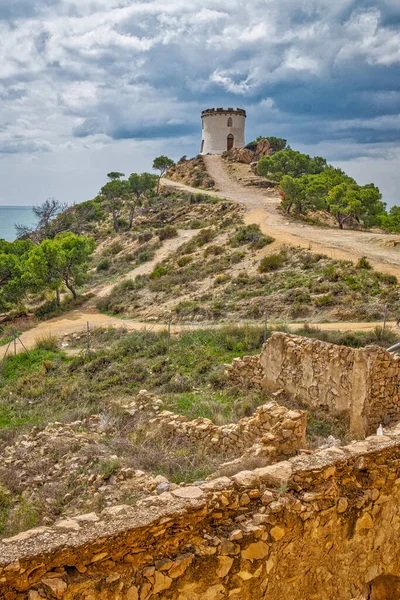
[{"x": 208, "y": 245}]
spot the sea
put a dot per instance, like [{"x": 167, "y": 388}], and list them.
[{"x": 10, "y": 215}]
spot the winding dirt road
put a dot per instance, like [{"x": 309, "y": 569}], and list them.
[{"x": 262, "y": 208}]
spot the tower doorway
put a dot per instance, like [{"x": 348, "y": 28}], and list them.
[
  {"x": 230, "y": 140},
  {"x": 202, "y": 146}
]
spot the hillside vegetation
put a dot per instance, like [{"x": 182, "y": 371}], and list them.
[
  {"x": 309, "y": 184},
  {"x": 229, "y": 273},
  {"x": 191, "y": 172}
]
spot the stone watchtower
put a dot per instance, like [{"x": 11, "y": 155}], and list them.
[{"x": 222, "y": 129}]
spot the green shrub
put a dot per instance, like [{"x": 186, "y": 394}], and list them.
[
  {"x": 167, "y": 232},
  {"x": 184, "y": 260},
  {"x": 159, "y": 271},
  {"x": 113, "y": 249},
  {"x": 272, "y": 262},
  {"x": 145, "y": 236},
  {"x": 203, "y": 199},
  {"x": 103, "y": 265},
  {"x": 4, "y": 506},
  {"x": 203, "y": 237},
  {"x": 325, "y": 300},
  {"x": 144, "y": 255},
  {"x": 363, "y": 263},
  {"x": 252, "y": 235},
  {"x": 128, "y": 284},
  {"x": 108, "y": 467},
  {"x": 236, "y": 257},
  {"x": 47, "y": 342},
  {"x": 23, "y": 517},
  {"x": 123, "y": 224},
  {"x": 220, "y": 279},
  {"x": 388, "y": 279},
  {"x": 196, "y": 224},
  {"x": 214, "y": 249}
]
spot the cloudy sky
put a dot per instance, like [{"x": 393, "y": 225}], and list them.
[{"x": 89, "y": 86}]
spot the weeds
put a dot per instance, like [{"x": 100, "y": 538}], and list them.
[
  {"x": 271, "y": 262},
  {"x": 167, "y": 232},
  {"x": 47, "y": 342},
  {"x": 251, "y": 235}
]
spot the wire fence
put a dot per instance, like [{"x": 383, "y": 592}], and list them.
[{"x": 17, "y": 342}]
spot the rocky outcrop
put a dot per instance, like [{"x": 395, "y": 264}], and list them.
[
  {"x": 362, "y": 382},
  {"x": 192, "y": 172},
  {"x": 314, "y": 527},
  {"x": 249, "y": 154}
]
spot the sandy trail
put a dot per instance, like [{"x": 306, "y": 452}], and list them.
[
  {"x": 76, "y": 322},
  {"x": 170, "y": 245},
  {"x": 262, "y": 208}
]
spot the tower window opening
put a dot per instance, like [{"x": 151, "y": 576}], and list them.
[{"x": 230, "y": 122}]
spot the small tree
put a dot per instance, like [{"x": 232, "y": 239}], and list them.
[
  {"x": 293, "y": 194},
  {"x": 74, "y": 253},
  {"x": 44, "y": 268},
  {"x": 391, "y": 221},
  {"x": 290, "y": 162},
  {"x": 141, "y": 186},
  {"x": 45, "y": 214},
  {"x": 162, "y": 163},
  {"x": 114, "y": 175},
  {"x": 13, "y": 272},
  {"x": 362, "y": 203},
  {"x": 115, "y": 192}
]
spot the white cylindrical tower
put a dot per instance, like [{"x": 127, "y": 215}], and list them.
[{"x": 222, "y": 129}]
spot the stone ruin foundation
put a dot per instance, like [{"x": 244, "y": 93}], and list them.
[
  {"x": 361, "y": 382},
  {"x": 319, "y": 525}
]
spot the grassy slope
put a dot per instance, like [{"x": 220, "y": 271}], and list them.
[{"x": 47, "y": 385}]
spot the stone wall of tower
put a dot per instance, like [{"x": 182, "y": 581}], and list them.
[{"x": 217, "y": 125}]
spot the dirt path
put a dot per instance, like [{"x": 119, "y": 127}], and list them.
[
  {"x": 168, "y": 246},
  {"x": 76, "y": 322},
  {"x": 261, "y": 208}
]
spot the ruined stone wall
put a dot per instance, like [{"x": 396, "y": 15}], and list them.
[
  {"x": 314, "y": 527},
  {"x": 273, "y": 428},
  {"x": 246, "y": 371},
  {"x": 364, "y": 382}
]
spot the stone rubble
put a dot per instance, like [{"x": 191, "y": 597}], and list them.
[{"x": 272, "y": 426}]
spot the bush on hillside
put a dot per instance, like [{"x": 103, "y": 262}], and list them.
[
  {"x": 251, "y": 235},
  {"x": 272, "y": 262},
  {"x": 103, "y": 265},
  {"x": 167, "y": 232}
]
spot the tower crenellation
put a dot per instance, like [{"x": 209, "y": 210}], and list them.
[{"x": 222, "y": 129}]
